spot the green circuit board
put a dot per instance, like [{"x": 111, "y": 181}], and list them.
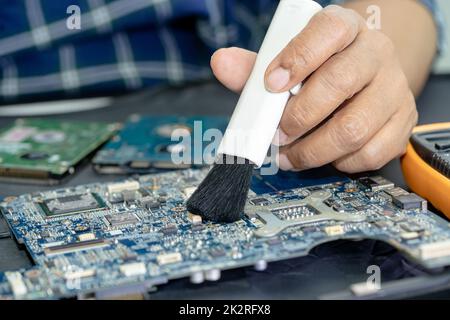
[{"x": 48, "y": 150}]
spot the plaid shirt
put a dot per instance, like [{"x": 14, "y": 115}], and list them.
[{"x": 122, "y": 44}]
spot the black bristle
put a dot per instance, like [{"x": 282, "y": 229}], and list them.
[{"x": 222, "y": 195}]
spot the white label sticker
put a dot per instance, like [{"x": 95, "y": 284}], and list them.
[{"x": 17, "y": 134}]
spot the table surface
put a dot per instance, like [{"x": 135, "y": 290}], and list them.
[{"x": 328, "y": 268}]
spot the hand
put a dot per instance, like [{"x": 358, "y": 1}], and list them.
[{"x": 355, "y": 109}]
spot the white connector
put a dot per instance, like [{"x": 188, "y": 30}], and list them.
[{"x": 258, "y": 111}]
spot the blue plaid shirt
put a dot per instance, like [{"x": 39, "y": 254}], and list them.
[{"x": 122, "y": 44}]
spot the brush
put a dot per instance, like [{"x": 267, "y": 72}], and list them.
[{"x": 222, "y": 195}]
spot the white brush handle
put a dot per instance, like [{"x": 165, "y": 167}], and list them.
[{"x": 258, "y": 111}]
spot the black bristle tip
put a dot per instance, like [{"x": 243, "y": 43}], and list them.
[{"x": 222, "y": 195}]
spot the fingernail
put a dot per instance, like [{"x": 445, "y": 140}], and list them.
[
  {"x": 284, "y": 163},
  {"x": 280, "y": 138},
  {"x": 278, "y": 79},
  {"x": 296, "y": 89}
]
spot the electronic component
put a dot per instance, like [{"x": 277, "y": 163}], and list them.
[
  {"x": 212, "y": 275},
  {"x": 46, "y": 151},
  {"x": 169, "y": 230},
  {"x": 194, "y": 218},
  {"x": 259, "y": 201},
  {"x": 410, "y": 201},
  {"x": 115, "y": 197},
  {"x": 121, "y": 219},
  {"x": 74, "y": 275},
  {"x": 260, "y": 265},
  {"x": 100, "y": 244},
  {"x": 376, "y": 183},
  {"x": 397, "y": 191},
  {"x": 169, "y": 258},
  {"x": 129, "y": 195},
  {"x": 197, "y": 277},
  {"x": 71, "y": 204},
  {"x": 145, "y": 144},
  {"x": 336, "y": 230},
  {"x": 133, "y": 269},
  {"x": 86, "y": 236},
  {"x": 150, "y": 204},
  {"x": 15, "y": 280},
  {"x": 74, "y": 247},
  {"x": 131, "y": 185},
  {"x": 409, "y": 235}
]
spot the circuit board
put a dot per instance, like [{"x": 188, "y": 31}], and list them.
[
  {"x": 127, "y": 237},
  {"x": 44, "y": 150},
  {"x": 145, "y": 144}
]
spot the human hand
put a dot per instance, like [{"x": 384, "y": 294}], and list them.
[{"x": 355, "y": 109}]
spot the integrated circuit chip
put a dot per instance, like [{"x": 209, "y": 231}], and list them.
[
  {"x": 376, "y": 183},
  {"x": 410, "y": 201},
  {"x": 129, "y": 195},
  {"x": 71, "y": 204}
]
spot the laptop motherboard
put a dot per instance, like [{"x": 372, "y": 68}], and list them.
[{"x": 128, "y": 237}]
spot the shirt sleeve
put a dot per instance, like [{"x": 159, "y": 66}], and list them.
[{"x": 433, "y": 6}]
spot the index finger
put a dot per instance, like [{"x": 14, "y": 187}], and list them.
[{"x": 329, "y": 31}]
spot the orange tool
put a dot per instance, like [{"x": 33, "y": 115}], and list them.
[{"x": 426, "y": 164}]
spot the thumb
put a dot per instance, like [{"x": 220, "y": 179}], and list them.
[{"x": 232, "y": 66}]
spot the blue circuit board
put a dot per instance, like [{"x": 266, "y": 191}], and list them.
[
  {"x": 127, "y": 237},
  {"x": 145, "y": 144}
]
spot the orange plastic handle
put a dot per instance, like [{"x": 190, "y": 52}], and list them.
[{"x": 424, "y": 179}]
